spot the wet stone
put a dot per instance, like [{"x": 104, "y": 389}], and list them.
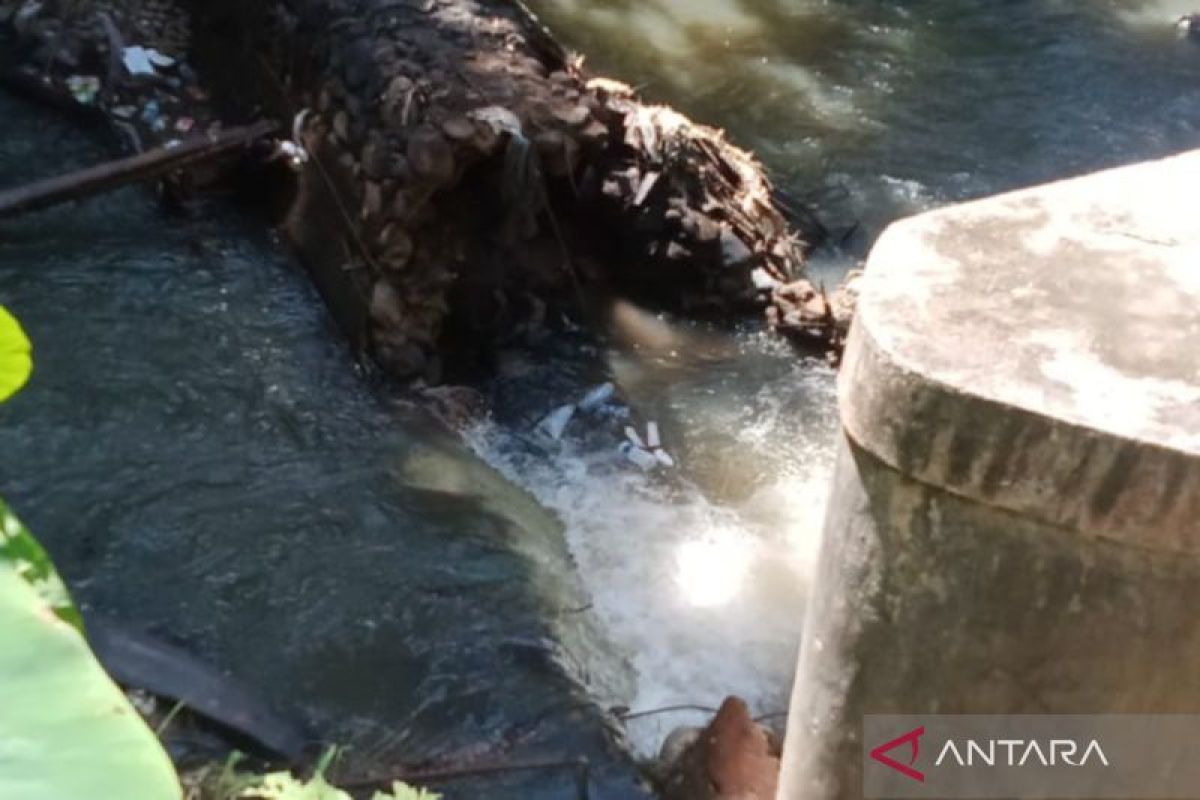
[
  {"x": 385, "y": 305},
  {"x": 459, "y": 128},
  {"x": 372, "y": 200},
  {"x": 374, "y": 157},
  {"x": 430, "y": 156}
]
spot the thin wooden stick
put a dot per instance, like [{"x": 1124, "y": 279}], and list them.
[{"x": 143, "y": 166}]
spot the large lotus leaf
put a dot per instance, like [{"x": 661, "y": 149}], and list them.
[
  {"x": 19, "y": 549},
  {"x": 15, "y": 360},
  {"x": 66, "y": 730}
]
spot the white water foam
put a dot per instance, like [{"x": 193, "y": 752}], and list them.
[{"x": 704, "y": 599}]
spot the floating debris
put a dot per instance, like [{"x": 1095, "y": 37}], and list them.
[
  {"x": 84, "y": 88},
  {"x": 639, "y": 456},
  {"x": 160, "y": 60},
  {"x": 597, "y": 397},
  {"x": 634, "y": 438},
  {"x": 652, "y": 440},
  {"x": 646, "y": 453},
  {"x": 555, "y": 423},
  {"x": 137, "y": 61},
  {"x": 140, "y": 60}
]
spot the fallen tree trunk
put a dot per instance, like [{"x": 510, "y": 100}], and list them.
[{"x": 111, "y": 175}]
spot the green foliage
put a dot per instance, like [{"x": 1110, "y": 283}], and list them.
[
  {"x": 227, "y": 782},
  {"x": 401, "y": 791},
  {"x": 23, "y": 553},
  {"x": 67, "y": 730},
  {"x": 15, "y": 360},
  {"x": 283, "y": 786}
]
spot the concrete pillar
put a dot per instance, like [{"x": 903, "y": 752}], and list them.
[{"x": 1015, "y": 520}]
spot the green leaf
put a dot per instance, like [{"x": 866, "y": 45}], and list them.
[
  {"x": 402, "y": 791},
  {"x": 66, "y": 730},
  {"x": 15, "y": 360},
  {"x": 284, "y": 786},
  {"x": 19, "y": 549}
]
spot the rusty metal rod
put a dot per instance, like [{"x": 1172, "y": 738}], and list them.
[{"x": 143, "y": 166}]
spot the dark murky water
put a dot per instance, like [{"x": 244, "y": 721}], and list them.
[{"x": 202, "y": 457}]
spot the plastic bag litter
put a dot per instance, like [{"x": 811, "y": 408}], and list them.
[
  {"x": 137, "y": 61},
  {"x": 140, "y": 60}
]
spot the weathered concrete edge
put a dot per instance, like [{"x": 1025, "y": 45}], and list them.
[{"x": 1123, "y": 489}]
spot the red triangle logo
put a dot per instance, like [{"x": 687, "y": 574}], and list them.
[{"x": 913, "y": 739}]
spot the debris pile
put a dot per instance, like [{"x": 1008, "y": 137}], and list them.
[
  {"x": 461, "y": 177},
  {"x": 125, "y": 59},
  {"x": 806, "y": 313},
  {"x": 484, "y": 182}
]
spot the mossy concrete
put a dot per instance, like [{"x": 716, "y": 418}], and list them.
[{"x": 1015, "y": 519}]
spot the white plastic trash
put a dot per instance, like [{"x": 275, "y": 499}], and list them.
[
  {"x": 137, "y": 60},
  {"x": 652, "y": 440},
  {"x": 632, "y": 435},
  {"x": 554, "y": 423},
  {"x": 597, "y": 397},
  {"x": 161, "y": 60},
  {"x": 638, "y": 456}
]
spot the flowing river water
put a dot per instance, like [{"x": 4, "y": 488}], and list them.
[{"x": 207, "y": 463}]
